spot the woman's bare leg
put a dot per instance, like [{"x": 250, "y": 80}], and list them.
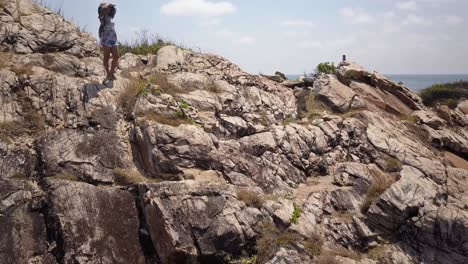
[
  {"x": 115, "y": 59},
  {"x": 107, "y": 52}
]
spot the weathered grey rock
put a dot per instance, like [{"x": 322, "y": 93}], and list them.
[
  {"x": 338, "y": 96},
  {"x": 429, "y": 119},
  {"x": 22, "y": 224},
  {"x": 411, "y": 196},
  {"x": 94, "y": 224},
  {"x": 169, "y": 57},
  {"x": 463, "y": 106},
  {"x": 189, "y": 221},
  {"x": 91, "y": 158},
  {"x": 351, "y": 71},
  {"x": 29, "y": 27}
]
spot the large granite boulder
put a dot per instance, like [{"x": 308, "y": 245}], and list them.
[
  {"x": 28, "y": 27},
  {"x": 191, "y": 222},
  {"x": 93, "y": 224}
]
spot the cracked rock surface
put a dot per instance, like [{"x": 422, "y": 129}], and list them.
[{"x": 185, "y": 158}]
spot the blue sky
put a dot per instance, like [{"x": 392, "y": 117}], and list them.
[{"x": 407, "y": 36}]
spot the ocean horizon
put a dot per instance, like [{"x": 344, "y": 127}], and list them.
[{"x": 416, "y": 82}]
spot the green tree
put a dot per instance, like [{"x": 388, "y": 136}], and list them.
[{"x": 325, "y": 68}]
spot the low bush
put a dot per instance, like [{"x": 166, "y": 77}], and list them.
[
  {"x": 296, "y": 214},
  {"x": 379, "y": 185},
  {"x": 325, "y": 68},
  {"x": 143, "y": 44},
  {"x": 446, "y": 94},
  {"x": 251, "y": 199}
]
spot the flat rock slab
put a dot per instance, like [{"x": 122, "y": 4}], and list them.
[{"x": 94, "y": 224}]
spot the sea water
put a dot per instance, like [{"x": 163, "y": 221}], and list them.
[{"x": 417, "y": 82}]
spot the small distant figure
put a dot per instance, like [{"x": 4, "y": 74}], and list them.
[
  {"x": 108, "y": 38},
  {"x": 344, "y": 58}
]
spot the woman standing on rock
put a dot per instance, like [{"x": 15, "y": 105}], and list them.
[{"x": 108, "y": 38}]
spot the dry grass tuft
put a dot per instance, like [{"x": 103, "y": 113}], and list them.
[
  {"x": 314, "y": 107},
  {"x": 212, "y": 86},
  {"x": 409, "y": 118},
  {"x": 21, "y": 70},
  {"x": 271, "y": 239},
  {"x": 164, "y": 85},
  {"x": 175, "y": 120},
  {"x": 65, "y": 176},
  {"x": 251, "y": 199},
  {"x": 105, "y": 145},
  {"x": 380, "y": 184},
  {"x": 5, "y": 57},
  {"x": 36, "y": 121},
  {"x": 127, "y": 99},
  {"x": 343, "y": 252},
  {"x": 327, "y": 259},
  {"x": 130, "y": 177},
  {"x": 313, "y": 245},
  {"x": 393, "y": 165}
]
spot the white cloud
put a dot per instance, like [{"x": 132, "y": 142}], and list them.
[
  {"x": 299, "y": 23},
  {"x": 453, "y": 20},
  {"x": 412, "y": 19},
  {"x": 197, "y": 8},
  {"x": 408, "y": 5},
  {"x": 245, "y": 40},
  {"x": 356, "y": 15}
]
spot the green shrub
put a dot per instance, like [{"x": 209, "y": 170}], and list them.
[
  {"x": 325, "y": 68},
  {"x": 184, "y": 105},
  {"x": 143, "y": 44},
  {"x": 296, "y": 214},
  {"x": 446, "y": 94}
]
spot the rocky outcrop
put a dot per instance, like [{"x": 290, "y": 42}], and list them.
[
  {"x": 192, "y": 222},
  {"x": 29, "y": 28},
  {"x": 185, "y": 158},
  {"x": 85, "y": 226}
]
